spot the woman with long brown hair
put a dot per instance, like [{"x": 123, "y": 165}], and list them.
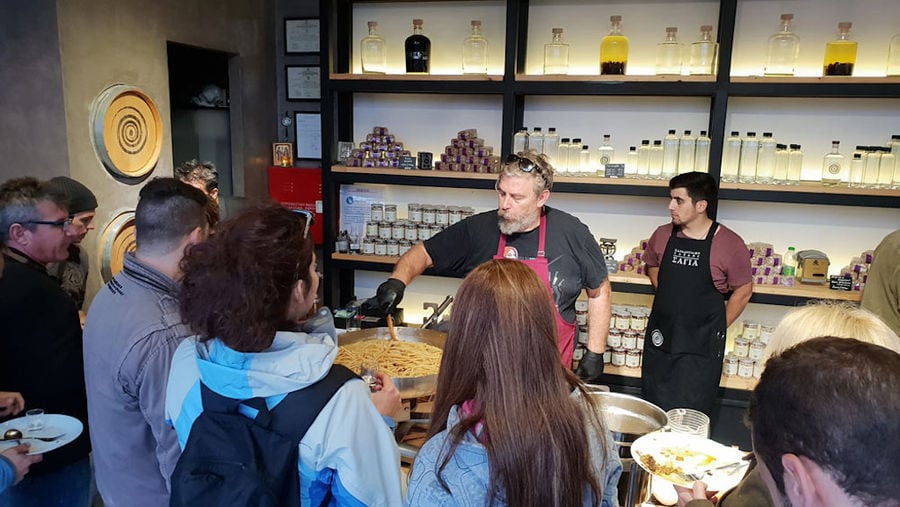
[{"x": 510, "y": 424}]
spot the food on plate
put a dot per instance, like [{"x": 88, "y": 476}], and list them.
[
  {"x": 398, "y": 359},
  {"x": 673, "y": 463}
]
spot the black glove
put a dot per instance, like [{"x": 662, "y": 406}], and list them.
[
  {"x": 590, "y": 368},
  {"x": 387, "y": 297}
]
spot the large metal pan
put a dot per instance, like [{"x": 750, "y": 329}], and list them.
[{"x": 409, "y": 387}]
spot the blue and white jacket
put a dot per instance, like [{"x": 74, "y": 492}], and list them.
[
  {"x": 348, "y": 450},
  {"x": 468, "y": 472}
]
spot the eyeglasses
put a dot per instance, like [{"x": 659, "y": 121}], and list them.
[
  {"x": 62, "y": 224},
  {"x": 526, "y": 165},
  {"x": 310, "y": 220}
]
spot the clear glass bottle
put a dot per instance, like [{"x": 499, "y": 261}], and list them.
[
  {"x": 536, "y": 140},
  {"x": 520, "y": 140},
  {"x": 701, "y": 153},
  {"x": 686, "y": 146},
  {"x": 655, "y": 165},
  {"x": 562, "y": 165},
  {"x": 795, "y": 165},
  {"x": 765, "y": 163},
  {"x": 731, "y": 157},
  {"x": 373, "y": 56},
  {"x": 643, "y": 162},
  {"x": 631, "y": 162},
  {"x": 782, "y": 161},
  {"x": 614, "y": 49},
  {"x": 668, "y": 54},
  {"x": 556, "y": 54},
  {"x": 857, "y": 165},
  {"x": 605, "y": 153},
  {"x": 551, "y": 146},
  {"x": 783, "y": 50},
  {"x": 418, "y": 50},
  {"x": 840, "y": 54},
  {"x": 575, "y": 167},
  {"x": 670, "y": 154},
  {"x": 834, "y": 166},
  {"x": 474, "y": 52},
  {"x": 872, "y": 159},
  {"x": 587, "y": 167},
  {"x": 888, "y": 160},
  {"x": 703, "y": 53},
  {"x": 893, "y": 64},
  {"x": 749, "y": 156}
]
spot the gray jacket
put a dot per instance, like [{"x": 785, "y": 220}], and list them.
[{"x": 132, "y": 330}]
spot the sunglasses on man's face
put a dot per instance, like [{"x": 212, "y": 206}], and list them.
[{"x": 309, "y": 220}]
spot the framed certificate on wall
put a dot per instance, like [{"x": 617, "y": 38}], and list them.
[
  {"x": 301, "y": 35},
  {"x": 302, "y": 82},
  {"x": 309, "y": 135}
]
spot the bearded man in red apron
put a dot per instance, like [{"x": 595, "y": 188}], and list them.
[
  {"x": 556, "y": 245},
  {"x": 692, "y": 262}
]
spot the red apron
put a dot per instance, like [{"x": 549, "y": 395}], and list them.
[{"x": 565, "y": 330}]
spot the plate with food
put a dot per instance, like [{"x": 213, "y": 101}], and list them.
[{"x": 681, "y": 459}]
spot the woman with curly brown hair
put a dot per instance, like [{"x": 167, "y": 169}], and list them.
[
  {"x": 244, "y": 291},
  {"x": 511, "y": 425}
]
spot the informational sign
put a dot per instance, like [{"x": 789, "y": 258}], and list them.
[{"x": 356, "y": 203}]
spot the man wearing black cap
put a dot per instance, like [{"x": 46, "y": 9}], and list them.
[{"x": 72, "y": 273}]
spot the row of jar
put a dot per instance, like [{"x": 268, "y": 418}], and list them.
[
  {"x": 385, "y": 248},
  {"x": 619, "y": 356},
  {"x": 420, "y": 213},
  {"x": 402, "y": 230}
]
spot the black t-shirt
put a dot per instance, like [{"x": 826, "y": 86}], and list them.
[{"x": 573, "y": 255}]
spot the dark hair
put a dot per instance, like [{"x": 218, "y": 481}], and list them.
[
  {"x": 167, "y": 211},
  {"x": 19, "y": 200},
  {"x": 200, "y": 172},
  {"x": 699, "y": 186},
  {"x": 237, "y": 285},
  {"x": 502, "y": 352},
  {"x": 835, "y": 401}
]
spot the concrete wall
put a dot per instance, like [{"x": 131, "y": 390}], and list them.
[
  {"x": 104, "y": 42},
  {"x": 32, "y": 126}
]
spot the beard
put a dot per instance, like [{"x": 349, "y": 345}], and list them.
[{"x": 512, "y": 225}]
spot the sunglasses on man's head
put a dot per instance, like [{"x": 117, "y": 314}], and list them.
[
  {"x": 309, "y": 220},
  {"x": 525, "y": 164}
]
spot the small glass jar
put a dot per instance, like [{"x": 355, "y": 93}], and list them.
[
  {"x": 755, "y": 352},
  {"x": 404, "y": 246},
  {"x": 582, "y": 334},
  {"x": 607, "y": 355},
  {"x": 435, "y": 229},
  {"x": 423, "y": 232},
  {"x": 398, "y": 230},
  {"x": 411, "y": 232},
  {"x": 750, "y": 329},
  {"x": 392, "y": 248},
  {"x": 758, "y": 368},
  {"x": 380, "y": 247},
  {"x": 629, "y": 339},
  {"x": 640, "y": 341},
  {"x": 390, "y": 213},
  {"x": 633, "y": 359},
  {"x": 741, "y": 347},
  {"x": 372, "y": 229},
  {"x": 377, "y": 212},
  {"x": 455, "y": 214},
  {"x": 765, "y": 333},
  {"x": 442, "y": 216},
  {"x": 577, "y": 354},
  {"x": 618, "y": 357},
  {"x": 623, "y": 319},
  {"x": 429, "y": 215},
  {"x": 614, "y": 339},
  {"x": 414, "y": 212},
  {"x": 368, "y": 246},
  {"x": 581, "y": 313},
  {"x": 385, "y": 230},
  {"x": 639, "y": 320},
  {"x": 745, "y": 367},
  {"x": 730, "y": 368}
]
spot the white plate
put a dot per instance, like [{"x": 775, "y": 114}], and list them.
[
  {"x": 54, "y": 424},
  {"x": 692, "y": 454}
]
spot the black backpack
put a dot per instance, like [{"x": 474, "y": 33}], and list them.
[{"x": 230, "y": 459}]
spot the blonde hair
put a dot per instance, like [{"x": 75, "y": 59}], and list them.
[
  {"x": 841, "y": 320},
  {"x": 542, "y": 176}
]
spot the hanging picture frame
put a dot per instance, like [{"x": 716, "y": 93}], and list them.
[
  {"x": 309, "y": 135},
  {"x": 303, "y": 82},
  {"x": 301, "y": 35}
]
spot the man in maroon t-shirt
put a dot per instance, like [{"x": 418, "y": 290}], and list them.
[{"x": 693, "y": 263}]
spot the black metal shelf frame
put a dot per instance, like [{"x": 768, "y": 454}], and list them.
[{"x": 337, "y": 120}]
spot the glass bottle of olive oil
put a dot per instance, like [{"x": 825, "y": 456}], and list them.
[
  {"x": 614, "y": 49},
  {"x": 840, "y": 54}
]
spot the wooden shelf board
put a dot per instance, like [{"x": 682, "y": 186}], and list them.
[
  {"x": 816, "y": 80},
  {"x": 814, "y": 188},
  {"x": 570, "y": 78},
  {"x": 733, "y": 382},
  {"x": 416, "y": 77}
]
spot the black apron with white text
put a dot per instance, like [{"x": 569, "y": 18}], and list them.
[{"x": 685, "y": 337}]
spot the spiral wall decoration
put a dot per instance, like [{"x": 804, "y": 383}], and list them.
[{"x": 127, "y": 131}]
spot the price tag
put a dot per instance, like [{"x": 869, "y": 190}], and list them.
[
  {"x": 614, "y": 170},
  {"x": 840, "y": 283},
  {"x": 406, "y": 162}
]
